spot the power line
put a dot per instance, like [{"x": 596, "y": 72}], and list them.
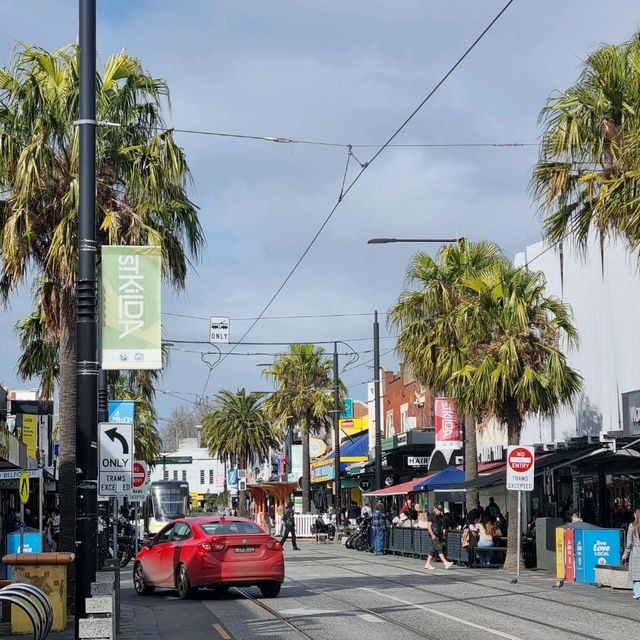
[
  {"x": 293, "y": 317},
  {"x": 170, "y": 342},
  {"x": 344, "y": 145},
  {"x": 366, "y": 166}
]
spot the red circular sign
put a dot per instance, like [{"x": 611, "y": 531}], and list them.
[
  {"x": 139, "y": 474},
  {"x": 520, "y": 460}
]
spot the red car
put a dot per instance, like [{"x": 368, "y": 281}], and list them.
[{"x": 210, "y": 551}]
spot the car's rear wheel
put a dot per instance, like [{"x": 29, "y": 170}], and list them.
[
  {"x": 139, "y": 583},
  {"x": 269, "y": 589},
  {"x": 183, "y": 585}
]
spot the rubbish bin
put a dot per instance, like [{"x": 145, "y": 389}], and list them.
[
  {"x": 48, "y": 571},
  {"x": 32, "y": 544},
  {"x": 565, "y": 548},
  {"x": 545, "y": 542},
  {"x": 595, "y": 547}
]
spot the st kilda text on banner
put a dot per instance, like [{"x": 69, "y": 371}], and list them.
[
  {"x": 131, "y": 303},
  {"x": 447, "y": 423}
]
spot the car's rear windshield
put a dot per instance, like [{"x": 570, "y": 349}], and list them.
[{"x": 229, "y": 527}]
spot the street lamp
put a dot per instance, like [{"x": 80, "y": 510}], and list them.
[
  {"x": 428, "y": 240},
  {"x": 376, "y": 354}
]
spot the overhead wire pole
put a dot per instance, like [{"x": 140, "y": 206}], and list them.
[
  {"x": 336, "y": 432},
  {"x": 86, "y": 321},
  {"x": 376, "y": 400}
]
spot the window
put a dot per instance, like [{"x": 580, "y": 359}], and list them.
[
  {"x": 165, "y": 474},
  {"x": 210, "y": 476},
  {"x": 201, "y": 476},
  {"x": 181, "y": 531},
  {"x": 404, "y": 415},
  {"x": 389, "y": 423},
  {"x": 184, "y": 475},
  {"x": 175, "y": 474},
  {"x": 230, "y": 527},
  {"x": 164, "y": 535}
]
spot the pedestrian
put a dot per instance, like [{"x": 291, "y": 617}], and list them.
[
  {"x": 575, "y": 517},
  {"x": 632, "y": 554},
  {"x": 366, "y": 511},
  {"x": 378, "y": 527},
  {"x": 29, "y": 521},
  {"x": 409, "y": 509},
  {"x": 493, "y": 509},
  {"x": 436, "y": 531},
  {"x": 55, "y": 529},
  {"x": 485, "y": 540},
  {"x": 354, "y": 512},
  {"x": 289, "y": 522}
]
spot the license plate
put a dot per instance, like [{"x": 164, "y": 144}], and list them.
[{"x": 245, "y": 549}]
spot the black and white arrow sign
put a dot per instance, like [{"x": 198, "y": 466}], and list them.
[
  {"x": 113, "y": 434},
  {"x": 115, "y": 459}
]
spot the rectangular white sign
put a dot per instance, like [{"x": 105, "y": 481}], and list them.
[
  {"x": 14, "y": 475},
  {"x": 115, "y": 459},
  {"x": 219, "y": 329},
  {"x": 418, "y": 461},
  {"x": 520, "y": 468}
]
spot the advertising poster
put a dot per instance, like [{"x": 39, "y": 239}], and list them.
[{"x": 447, "y": 423}]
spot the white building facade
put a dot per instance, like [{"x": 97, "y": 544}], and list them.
[{"x": 603, "y": 290}]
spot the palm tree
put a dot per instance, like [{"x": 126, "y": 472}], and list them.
[
  {"x": 141, "y": 198},
  {"x": 513, "y": 363},
  {"x": 587, "y": 177},
  {"x": 303, "y": 379},
  {"x": 429, "y": 340},
  {"x": 237, "y": 431}
]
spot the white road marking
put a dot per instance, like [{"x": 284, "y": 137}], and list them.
[{"x": 494, "y": 632}]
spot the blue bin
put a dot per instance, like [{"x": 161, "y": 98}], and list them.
[
  {"x": 32, "y": 544},
  {"x": 595, "y": 547}
]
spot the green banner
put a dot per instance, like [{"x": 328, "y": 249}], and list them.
[{"x": 131, "y": 308}]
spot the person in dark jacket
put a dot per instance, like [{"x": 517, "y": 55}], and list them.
[{"x": 289, "y": 526}]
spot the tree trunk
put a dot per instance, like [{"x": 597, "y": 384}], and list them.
[
  {"x": 514, "y": 429},
  {"x": 242, "y": 494},
  {"x": 306, "y": 471},
  {"x": 67, "y": 430},
  {"x": 471, "y": 461}
]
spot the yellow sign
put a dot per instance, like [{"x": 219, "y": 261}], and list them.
[
  {"x": 353, "y": 426},
  {"x": 30, "y": 434},
  {"x": 560, "y": 553},
  {"x": 23, "y": 487}
]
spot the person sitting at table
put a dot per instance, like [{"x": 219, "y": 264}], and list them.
[
  {"x": 423, "y": 520},
  {"x": 486, "y": 534}
]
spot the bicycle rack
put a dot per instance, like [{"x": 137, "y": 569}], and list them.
[{"x": 34, "y": 603}]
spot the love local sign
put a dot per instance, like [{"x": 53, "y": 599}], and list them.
[
  {"x": 520, "y": 468},
  {"x": 115, "y": 459}
]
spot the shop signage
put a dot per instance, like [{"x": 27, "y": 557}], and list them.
[
  {"x": 121, "y": 410},
  {"x": 401, "y": 439},
  {"x": 175, "y": 460},
  {"x": 417, "y": 461},
  {"x": 365, "y": 485},
  {"x": 447, "y": 423},
  {"x": 520, "y": 468},
  {"x": 389, "y": 481},
  {"x": 631, "y": 412},
  {"x": 317, "y": 447},
  {"x": 131, "y": 318},
  {"x": 30, "y": 434}
]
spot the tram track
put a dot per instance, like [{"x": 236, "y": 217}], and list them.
[
  {"x": 509, "y": 592},
  {"x": 471, "y": 602}
]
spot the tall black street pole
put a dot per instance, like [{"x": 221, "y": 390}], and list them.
[
  {"x": 336, "y": 431},
  {"x": 376, "y": 399},
  {"x": 86, "y": 322}
]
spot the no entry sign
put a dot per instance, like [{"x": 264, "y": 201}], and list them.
[
  {"x": 520, "y": 468},
  {"x": 138, "y": 481}
]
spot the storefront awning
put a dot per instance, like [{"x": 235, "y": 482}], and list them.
[
  {"x": 397, "y": 490},
  {"x": 441, "y": 480}
]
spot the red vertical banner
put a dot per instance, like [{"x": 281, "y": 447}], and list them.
[
  {"x": 569, "y": 556},
  {"x": 447, "y": 423}
]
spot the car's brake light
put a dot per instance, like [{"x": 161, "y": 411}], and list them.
[
  {"x": 204, "y": 547},
  {"x": 274, "y": 544},
  {"x": 211, "y": 546}
]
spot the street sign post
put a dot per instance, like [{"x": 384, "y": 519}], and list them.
[
  {"x": 115, "y": 458},
  {"x": 520, "y": 477},
  {"x": 219, "y": 330}
]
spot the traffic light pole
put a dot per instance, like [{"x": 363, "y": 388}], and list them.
[
  {"x": 336, "y": 432},
  {"x": 86, "y": 321}
]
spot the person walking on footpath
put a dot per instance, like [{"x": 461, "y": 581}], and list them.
[
  {"x": 378, "y": 527},
  {"x": 632, "y": 554},
  {"x": 435, "y": 527},
  {"x": 289, "y": 526}
]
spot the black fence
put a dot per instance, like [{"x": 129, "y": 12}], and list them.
[{"x": 417, "y": 542}]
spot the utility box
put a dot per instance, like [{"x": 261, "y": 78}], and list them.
[
  {"x": 546, "y": 542},
  {"x": 565, "y": 548},
  {"x": 595, "y": 547}
]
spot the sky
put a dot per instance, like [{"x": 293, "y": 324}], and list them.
[{"x": 347, "y": 72}]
